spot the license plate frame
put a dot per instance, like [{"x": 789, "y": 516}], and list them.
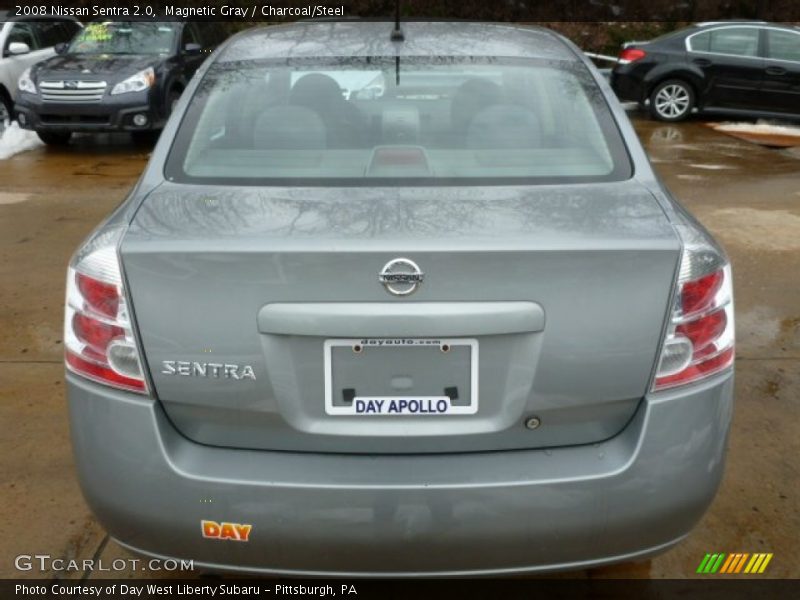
[{"x": 377, "y": 343}]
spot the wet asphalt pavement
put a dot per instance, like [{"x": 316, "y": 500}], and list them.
[{"x": 748, "y": 196}]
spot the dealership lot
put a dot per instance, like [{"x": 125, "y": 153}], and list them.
[{"x": 748, "y": 196}]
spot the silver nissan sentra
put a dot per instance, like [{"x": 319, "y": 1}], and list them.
[{"x": 384, "y": 306}]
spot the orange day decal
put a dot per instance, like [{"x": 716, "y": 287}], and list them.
[{"x": 237, "y": 532}]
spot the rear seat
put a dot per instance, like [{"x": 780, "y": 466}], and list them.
[
  {"x": 504, "y": 126},
  {"x": 289, "y": 128}
]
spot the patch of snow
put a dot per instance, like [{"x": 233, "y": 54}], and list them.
[
  {"x": 710, "y": 167},
  {"x": 14, "y": 140},
  {"x": 761, "y": 126},
  {"x": 13, "y": 198}
]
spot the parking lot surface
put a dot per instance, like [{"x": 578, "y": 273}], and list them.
[{"x": 748, "y": 196}]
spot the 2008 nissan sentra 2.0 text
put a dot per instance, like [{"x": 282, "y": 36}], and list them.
[{"x": 461, "y": 220}]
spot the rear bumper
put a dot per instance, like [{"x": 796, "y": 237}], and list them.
[
  {"x": 113, "y": 113},
  {"x": 457, "y": 514},
  {"x": 627, "y": 84}
]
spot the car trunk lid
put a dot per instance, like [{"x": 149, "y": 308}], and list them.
[{"x": 251, "y": 303}]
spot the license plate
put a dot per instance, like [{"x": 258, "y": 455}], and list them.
[{"x": 413, "y": 377}]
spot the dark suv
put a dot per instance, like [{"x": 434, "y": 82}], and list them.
[
  {"x": 118, "y": 76},
  {"x": 732, "y": 68}
]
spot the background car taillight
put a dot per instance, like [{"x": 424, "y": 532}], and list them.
[
  {"x": 700, "y": 338},
  {"x": 629, "y": 55},
  {"x": 98, "y": 339}
]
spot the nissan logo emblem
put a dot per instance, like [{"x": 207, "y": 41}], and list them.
[{"x": 401, "y": 276}]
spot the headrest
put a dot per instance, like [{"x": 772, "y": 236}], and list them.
[
  {"x": 314, "y": 89},
  {"x": 471, "y": 97}
]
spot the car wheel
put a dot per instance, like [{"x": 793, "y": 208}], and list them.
[
  {"x": 55, "y": 138},
  {"x": 5, "y": 112},
  {"x": 672, "y": 100}
]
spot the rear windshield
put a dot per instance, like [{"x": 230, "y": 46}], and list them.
[
  {"x": 406, "y": 121},
  {"x": 124, "y": 38}
]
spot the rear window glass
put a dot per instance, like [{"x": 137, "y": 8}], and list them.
[{"x": 373, "y": 120}]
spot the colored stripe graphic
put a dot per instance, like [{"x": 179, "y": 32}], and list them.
[
  {"x": 754, "y": 562},
  {"x": 727, "y": 565},
  {"x": 759, "y": 563},
  {"x": 703, "y": 563},
  {"x": 741, "y": 562},
  {"x": 717, "y": 564},
  {"x": 767, "y": 558},
  {"x": 734, "y": 563},
  {"x": 711, "y": 563}
]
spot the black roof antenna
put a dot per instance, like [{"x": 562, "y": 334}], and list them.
[
  {"x": 397, "y": 36},
  {"x": 397, "y": 33}
]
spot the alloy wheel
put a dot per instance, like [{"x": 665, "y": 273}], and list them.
[{"x": 672, "y": 101}]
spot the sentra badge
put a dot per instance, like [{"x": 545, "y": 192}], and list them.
[{"x": 210, "y": 370}]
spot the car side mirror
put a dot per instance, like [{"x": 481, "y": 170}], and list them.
[
  {"x": 61, "y": 47},
  {"x": 192, "y": 48},
  {"x": 18, "y": 48}
]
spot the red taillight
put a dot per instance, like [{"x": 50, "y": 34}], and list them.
[
  {"x": 704, "y": 331},
  {"x": 101, "y": 297},
  {"x": 629, "y": 55},
  {"x": 98, "y": 337},
  {"x": 95, "y": 333},
  {"x": 700, "y": 340},
  {"x": 697, "y": 295}
]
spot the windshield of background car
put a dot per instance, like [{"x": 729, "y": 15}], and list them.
[
  {"x": 124, "y": 38},
  {"x": 406, "y": 121}
]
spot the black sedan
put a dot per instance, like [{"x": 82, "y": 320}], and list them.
[
  {"x": 119, "y": 76},
  {"x": 731, "y": 68}
]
